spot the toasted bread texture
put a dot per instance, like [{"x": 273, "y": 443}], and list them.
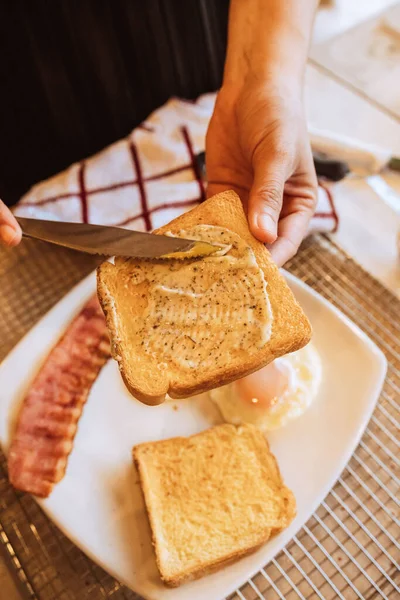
[
  {"x": 141, "y": 373},
  {"x": 211, "y": 498}
]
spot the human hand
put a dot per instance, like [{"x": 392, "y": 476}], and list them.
[
  {"x": 257, "y": 142},
  {"x": 10, "y": 231},
  {"x": 257, "y": 145}
]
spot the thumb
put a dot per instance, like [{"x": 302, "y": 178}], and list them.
[
  {"x": 266, "y": 197},
  {"x": 10, "y": 231}
]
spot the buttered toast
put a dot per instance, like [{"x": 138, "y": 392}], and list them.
[
  {"x": 211, "y": 498},
  {"x": 185, "y": 327}
]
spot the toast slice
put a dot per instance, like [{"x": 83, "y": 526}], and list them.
[
  {"x": 211, "y": 498},
  {"x": 149, "y": 376}
]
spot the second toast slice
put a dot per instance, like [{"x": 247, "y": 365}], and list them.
[{"x": 211, "y": 498}]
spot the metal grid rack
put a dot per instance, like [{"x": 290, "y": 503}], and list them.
[{"x": 350, "y": 546}]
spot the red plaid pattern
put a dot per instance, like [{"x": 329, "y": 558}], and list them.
[{"x": 144, "y": 180}]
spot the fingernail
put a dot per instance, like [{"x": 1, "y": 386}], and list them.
[
  {"x": 266, "y": 223},
  {"x": 7, "y": 235}
]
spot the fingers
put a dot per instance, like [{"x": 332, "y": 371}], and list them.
[
  {"x": 266, "y": 196},
  {"x": 292, "y": 230},
  {"x": 300, "y": 204},
  {"x": 10, "y": 231}
]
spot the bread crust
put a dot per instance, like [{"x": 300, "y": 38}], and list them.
[
  {"x": 148, "y": 486},
  {"x": 189, "y": 574},
  {"x": 291, "y": 329}
]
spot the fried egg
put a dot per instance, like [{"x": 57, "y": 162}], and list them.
[{"x": 274, "y": 395}]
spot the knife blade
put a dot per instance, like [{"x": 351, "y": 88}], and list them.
[
  {"x": 113, "y": 241},
  {"x": 361, "y": 158}
]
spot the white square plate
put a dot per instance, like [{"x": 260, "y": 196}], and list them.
[{"x": 99, "y": 506}]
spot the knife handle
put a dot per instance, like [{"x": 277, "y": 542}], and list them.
[
  {"x": 362, "y": 158},
  {"x": 201, "y": 164},
  {"x": 334, "y": 170}
]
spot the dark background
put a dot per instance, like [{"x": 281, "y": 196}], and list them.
[{"x": 77, "y": 75}]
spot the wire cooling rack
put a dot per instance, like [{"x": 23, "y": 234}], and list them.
[{"x": 350, "y": 546}]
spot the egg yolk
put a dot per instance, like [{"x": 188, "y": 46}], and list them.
[{"x": 264, "y": 387}]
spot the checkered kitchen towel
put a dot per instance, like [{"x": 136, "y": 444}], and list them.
[{"x": 144, "y": 180}]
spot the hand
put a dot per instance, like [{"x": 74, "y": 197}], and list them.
[
  {"x": 257, "y": 145},
  {"x": 10, "y": 231}
]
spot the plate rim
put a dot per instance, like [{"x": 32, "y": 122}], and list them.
[{"x": 86, "y": 287}]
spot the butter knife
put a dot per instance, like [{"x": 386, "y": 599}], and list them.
[{"x": 113, "y": 241}]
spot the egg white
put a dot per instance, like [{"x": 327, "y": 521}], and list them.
[{"x": 304, "y": 370}]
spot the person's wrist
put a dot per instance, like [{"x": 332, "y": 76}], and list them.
[
  {"x": 271, "y": 74},
  {"x": 285, "y": 89},
  {"x": 287, "y": 42},
  {"x": 277, "y": 56}
]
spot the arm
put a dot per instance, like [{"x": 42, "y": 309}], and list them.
[
  {"x": 268, "y": 38},
  {"x": 10, "y": 231},
  {"x": 257, "y": 141}
]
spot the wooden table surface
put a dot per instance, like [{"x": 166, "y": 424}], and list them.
[
  {"x": 344, "y": 97},
  {"x": 368, "y": 226}
]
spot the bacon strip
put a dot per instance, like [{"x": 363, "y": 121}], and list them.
[{"x": 50, "y": 412}]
